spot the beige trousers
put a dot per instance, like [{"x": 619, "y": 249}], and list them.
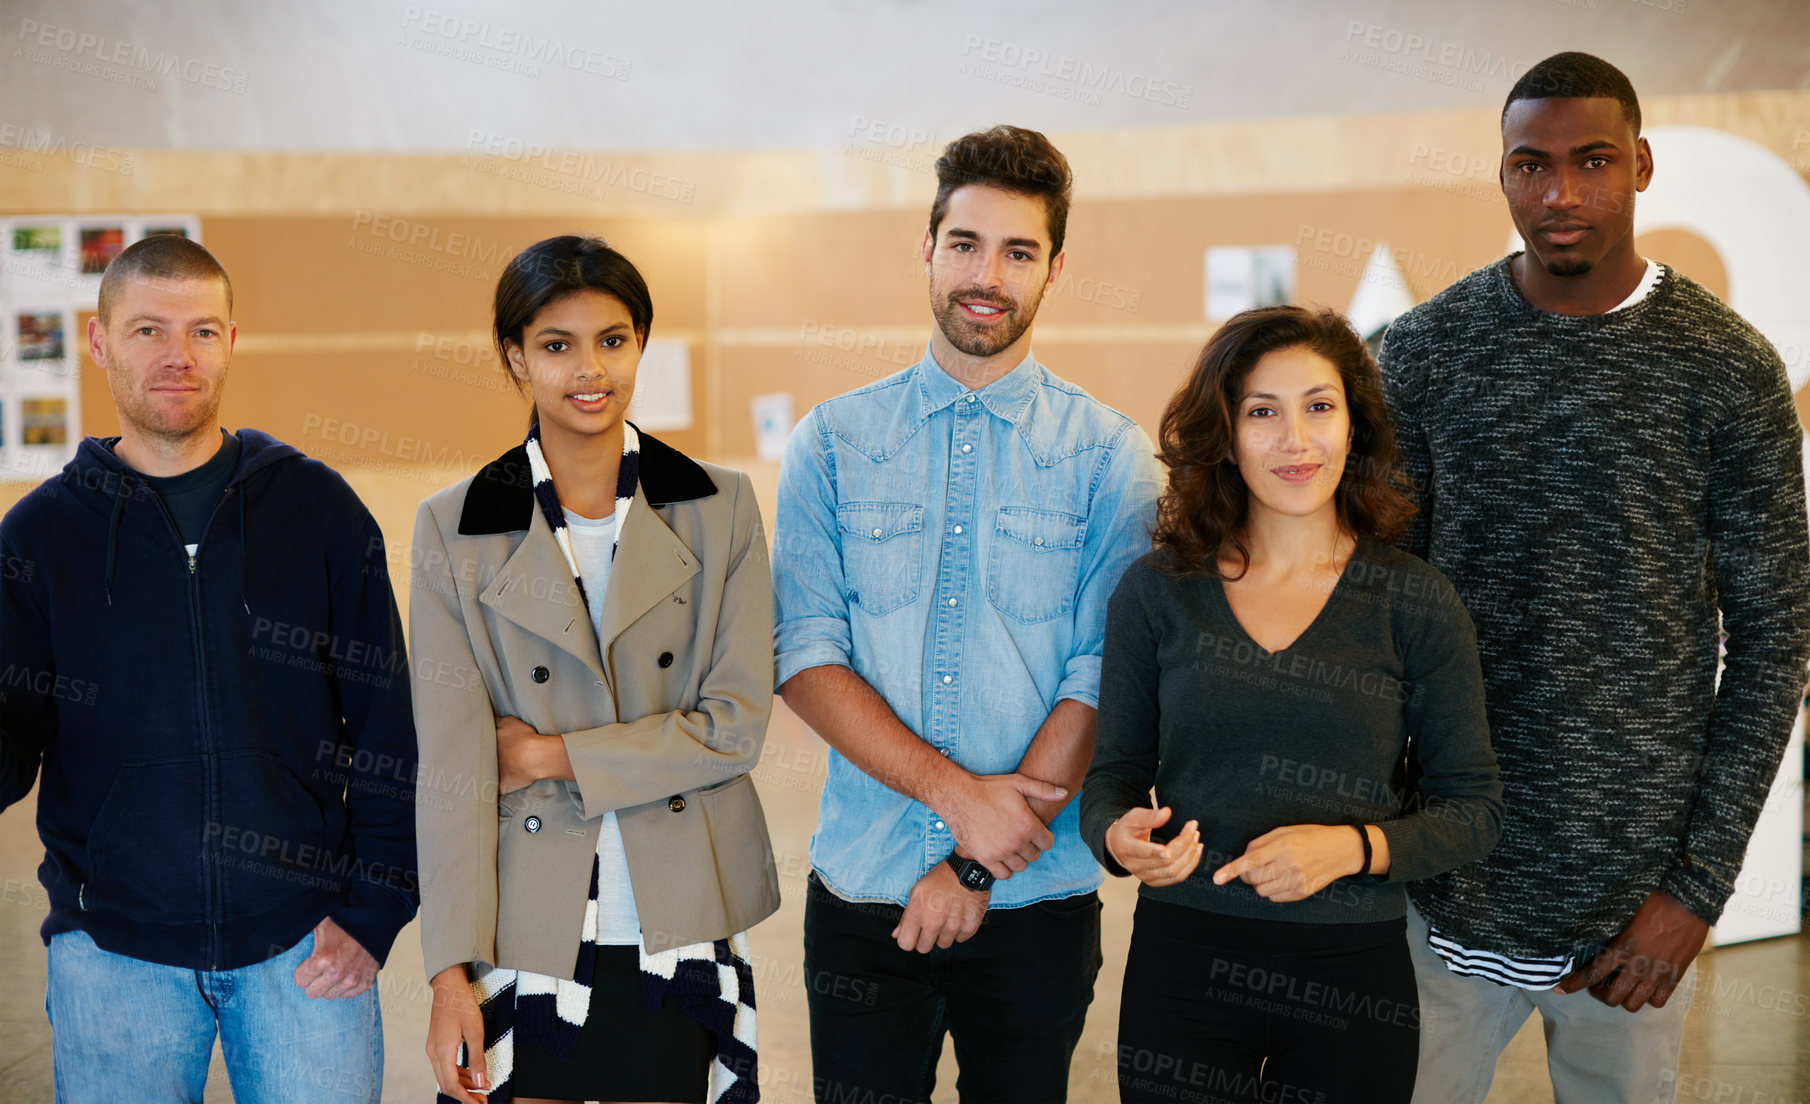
[{"x": 1595, "y": 1054}]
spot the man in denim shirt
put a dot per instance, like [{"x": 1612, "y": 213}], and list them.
[{"x": 945, "y": 544}]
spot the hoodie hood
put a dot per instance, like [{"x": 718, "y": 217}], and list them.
[{"x": 99, "y": 479}]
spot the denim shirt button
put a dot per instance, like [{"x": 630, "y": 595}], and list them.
[{"x": 947, "y": 679}]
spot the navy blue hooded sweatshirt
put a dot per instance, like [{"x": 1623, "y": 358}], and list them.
[{"x": 227, "y": 748}]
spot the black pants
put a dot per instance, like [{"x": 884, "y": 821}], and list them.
[
  {"x": 1221, "y": 1008},
  {"x": 1014, "y": 997}
]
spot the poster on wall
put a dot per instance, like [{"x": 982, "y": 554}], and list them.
[
  {"x": 1239, "y": 277},
  {"x": 662, "y": 387},
  {"x": 41, "y": 335},
  {"x": 50, "y": 269},
  {"x": 44, "y": 421},
  {"x": 100, "y": 244}
]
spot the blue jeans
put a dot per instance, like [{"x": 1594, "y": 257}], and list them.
[{"x": 126, "y": 1029}]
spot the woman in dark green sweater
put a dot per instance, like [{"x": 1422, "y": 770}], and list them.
[{"x": 1267, "y": 669}]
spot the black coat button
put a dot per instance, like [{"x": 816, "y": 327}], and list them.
[
  {"x": 676, "y": 803},
  {"x": 532, "y": 824},
  {"x": 541, "y": 674},
  {"x": 666, "y": 659}
]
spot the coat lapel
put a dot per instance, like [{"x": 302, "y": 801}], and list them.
[
  {"x": 534, "y": 589},
  {"x": 651, "y": 563}
]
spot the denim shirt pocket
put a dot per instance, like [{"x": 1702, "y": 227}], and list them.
[
  {"x": 882, "y": 553},
  {"x": 1035, "y": 565}
]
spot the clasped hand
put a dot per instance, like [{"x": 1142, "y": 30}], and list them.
[
  {"x": 525, "y": 756},
  {"x": 1646, "y": 960},
  {"x": 993, "y": 821},
  {"x": 1290, "y": 863}
]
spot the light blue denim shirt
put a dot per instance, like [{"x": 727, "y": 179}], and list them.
[{"x": 955, "y": 548}]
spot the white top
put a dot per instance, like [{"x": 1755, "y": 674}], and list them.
[
  {"x": 617, "y": 922},
  {"x": 1648, "y": 281}
]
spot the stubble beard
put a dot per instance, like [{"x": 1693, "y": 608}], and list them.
[
  {"x": 975, "y": 342},
  {"x": 1567, "y": 266}
]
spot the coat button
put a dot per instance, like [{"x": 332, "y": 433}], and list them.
[
  {"x": 676, "y": 803},
  {"x": 666, "y": 659},
  {"x": 532, "y": 824},
  {"x": 541, "y": 674}
]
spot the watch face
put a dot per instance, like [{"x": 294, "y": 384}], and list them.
[{"x": 974, "y": 876}]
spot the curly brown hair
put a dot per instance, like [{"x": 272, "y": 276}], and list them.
[{"x": 1203, "y": 510}]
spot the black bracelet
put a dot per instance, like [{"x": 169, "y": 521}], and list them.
[{"x": 1364, "y": 834}]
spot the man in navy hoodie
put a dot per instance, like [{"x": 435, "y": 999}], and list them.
[{"x": 200, "y": 650}]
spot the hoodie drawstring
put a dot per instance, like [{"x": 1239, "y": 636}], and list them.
[
  {"x": 244, "y": 551},
  {"x": 119, "y": 509}
]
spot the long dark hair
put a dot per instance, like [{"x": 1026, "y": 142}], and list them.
[
  {"x": 1204, "y": 508},
  {"x": 556, "y": 267}
]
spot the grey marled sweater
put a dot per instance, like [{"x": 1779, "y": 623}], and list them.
[{"x": 1596, "y": 488}]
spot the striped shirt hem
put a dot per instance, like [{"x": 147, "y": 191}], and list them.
[{"x": 1519, "y": 971}]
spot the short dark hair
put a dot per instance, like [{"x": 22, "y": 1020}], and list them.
[
  {"x": 1575, "y": 76},
  {"x": 159, "y": 259},
  {"x": 557, "y": 267},
  {"x": 1012, "y": 159},
  {"x": 1205, "y": 506}
]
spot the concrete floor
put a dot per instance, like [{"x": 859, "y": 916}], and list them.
[{"x": 1748, "y": 1040}]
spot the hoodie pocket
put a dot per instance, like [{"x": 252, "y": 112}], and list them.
[
  {"x": 274, "y": 841},
  {"x": 148, "y": 846}
]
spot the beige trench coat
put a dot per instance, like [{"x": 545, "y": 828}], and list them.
[{"x": 662, "y": 723}]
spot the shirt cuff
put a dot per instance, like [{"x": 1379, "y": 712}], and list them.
[
  {"x": 1081, "y": 681},
  {"x": 810, "y": 642}
]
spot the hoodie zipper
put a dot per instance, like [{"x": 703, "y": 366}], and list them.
[{"x": 210, "y": 781}]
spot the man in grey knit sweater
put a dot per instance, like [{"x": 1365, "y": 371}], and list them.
[{"x": 1607, "y": 458}]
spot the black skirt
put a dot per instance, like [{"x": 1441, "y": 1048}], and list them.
[{"x": 624, "y": 1052}]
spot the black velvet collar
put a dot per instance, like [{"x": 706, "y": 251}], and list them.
[{"x": 501, "y": 497}]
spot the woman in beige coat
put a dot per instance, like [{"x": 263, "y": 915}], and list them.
[{"x": 591, "y": 628}]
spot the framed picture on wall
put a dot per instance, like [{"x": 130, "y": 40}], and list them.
[
  {"x": 40, "y": 335},
  {"x": 37, "y": 239},
  {"x": 44, "y": 421},
  {"x": 101, "y": 244}
]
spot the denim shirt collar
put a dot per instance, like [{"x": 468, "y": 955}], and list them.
[{"x": 1008, "y": 397}]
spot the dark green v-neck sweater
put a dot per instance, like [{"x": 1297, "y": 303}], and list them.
[{"x": 1246, "y": 741}]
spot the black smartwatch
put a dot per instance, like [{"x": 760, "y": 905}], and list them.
[{"x": 970, "y": 874}]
